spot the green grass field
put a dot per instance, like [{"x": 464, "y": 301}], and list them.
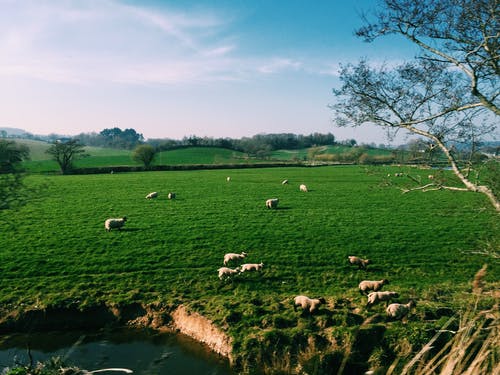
[
  {"x": 40, "y": 161},
  {"x": 55, "y": 251}
]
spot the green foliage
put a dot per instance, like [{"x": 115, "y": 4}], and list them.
[
  {"x": 11, "y": 177},
  {"x": 144, "y": 154},
  {"x": 53, "y": 366}
]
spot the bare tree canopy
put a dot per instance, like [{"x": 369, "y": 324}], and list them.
[
  {"x": 461, "y": 33},
  {"x": 66, "y": 152},
  {"x": 448, "y": 94}
]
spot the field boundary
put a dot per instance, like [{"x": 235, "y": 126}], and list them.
[{"x": 183, "y": 167}]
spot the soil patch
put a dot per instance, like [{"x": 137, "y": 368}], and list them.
[{"x": 135, "y": 315}]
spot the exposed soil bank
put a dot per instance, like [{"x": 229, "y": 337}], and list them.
[{"x": 135, "y": 315}]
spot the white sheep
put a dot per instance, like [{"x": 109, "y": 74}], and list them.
[
  {"x": 361, "y": 263},
  {"x": 430, "y": 177},
  {"x": 152, "y": 195},
  {"x": 376, "y": 297},
  {"x": 225, "y": 272},
  {"x": 284, "y": 182},
  {"x": 306, "y": 303},
  {"x": 303, "y": 188},
  {"x": 366, "y": 286},
  {"x": 171, "y": 195},
  {"x": 398, "y": 311},
  {"x": 233, "y": 256},
  {"x": 228, "y": 178},
  {"x": 272, "y": 203},
  {"x": 250, "y": 267},
  {"x": 114, "y": 223}
]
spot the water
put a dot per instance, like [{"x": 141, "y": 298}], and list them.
[{"x": 143, "y": 352}]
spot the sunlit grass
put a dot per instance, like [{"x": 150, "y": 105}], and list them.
[{"x": 55, "y": 251}]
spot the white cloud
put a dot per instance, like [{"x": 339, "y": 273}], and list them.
[
  {"x": 107, "y": 41},
  {"x": 279, "y": 64}
]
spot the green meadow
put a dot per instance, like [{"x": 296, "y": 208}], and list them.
[
  {"x": 55, "y": 251},
  {"x": 40, "y": 161}
]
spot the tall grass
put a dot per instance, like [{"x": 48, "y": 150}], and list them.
[{"x": 475, "y": 345}]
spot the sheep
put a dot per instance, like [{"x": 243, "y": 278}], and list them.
[
  {"x": 376, "y": 297},
  {"x": 398, "y": 311},
  {"x": 430, "y": 177},
  {"x": 249, "y": 267},
  {"x": 228, "y": 178},
  {"x": 225, "y": 272},
  {"x": 272, "y": 203},
  {"x": 306, "y": 303},
  {"x": 361, "y": 263},
  {"x": 398, "y": 174},
  {"x": 366, "y": 286},
  {"x": 114, "y": 223},
  {"x": 171, "y": 195},
  {"x": 152, "y": 195},
  {"x": 233, "y": 256},
  {"x": 303, "y": 188},
  {"x": 284, "y": 182}
]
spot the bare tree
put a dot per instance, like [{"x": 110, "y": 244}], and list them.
[
  {"x": 448, "y": 94},
  {"x": 66, "y": 152}
]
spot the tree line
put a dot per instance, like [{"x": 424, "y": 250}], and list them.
[{"x": 257, "y": 145}]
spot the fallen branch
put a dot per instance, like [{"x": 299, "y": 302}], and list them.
[{"x": 434, "y": 187}]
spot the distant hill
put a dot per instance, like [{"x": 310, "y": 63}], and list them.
[{"x": 12, "y": 131}]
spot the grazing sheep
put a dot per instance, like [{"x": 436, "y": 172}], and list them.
[
  {"x": 115, "y": 223},
  {"x": 228, "y": 178},
  {"x": 366, "y": 286},
  {"x": 272, "y": 203},
  {"x": 306, "y": 303},
  {"x": 225, "y": 272},
  {"x": 171, "y": 195},
  {"x": 430, "y": 177},
  {"x": 398, "y": 174},
  {"x": 152, "y": 195},
  {"x": 284, "y": 182},
  {"x": 361, "y": 263},
  {"x": 303, "y": 188},
  {"x": 233, "y": 256},
  {"x": 376, "y": 297},
  {"x": 250, "y": 267},
  {"x": 398, "y": 311}
]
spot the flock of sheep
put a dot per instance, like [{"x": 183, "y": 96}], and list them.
[
  {"x": 370, "y": 288},
  {"x": 226, "y": 272}
]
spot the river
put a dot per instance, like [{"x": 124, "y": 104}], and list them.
[{"x": 143, "y": 352}]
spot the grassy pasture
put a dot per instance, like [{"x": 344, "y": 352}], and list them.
[
  {"x": 201, "y": 155},
  {"x": 107, "y": 157},
  {"x": 55, "y": 251}
]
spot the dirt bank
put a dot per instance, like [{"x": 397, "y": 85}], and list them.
[{"x": 156, "y": 317}]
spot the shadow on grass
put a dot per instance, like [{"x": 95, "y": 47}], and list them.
[{"x": 129, "y": 230}]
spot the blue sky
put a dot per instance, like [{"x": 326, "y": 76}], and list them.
[{"x": 171, "y": 69}]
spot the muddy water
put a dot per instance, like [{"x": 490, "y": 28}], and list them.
[{"x": 143, "y": 352}]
